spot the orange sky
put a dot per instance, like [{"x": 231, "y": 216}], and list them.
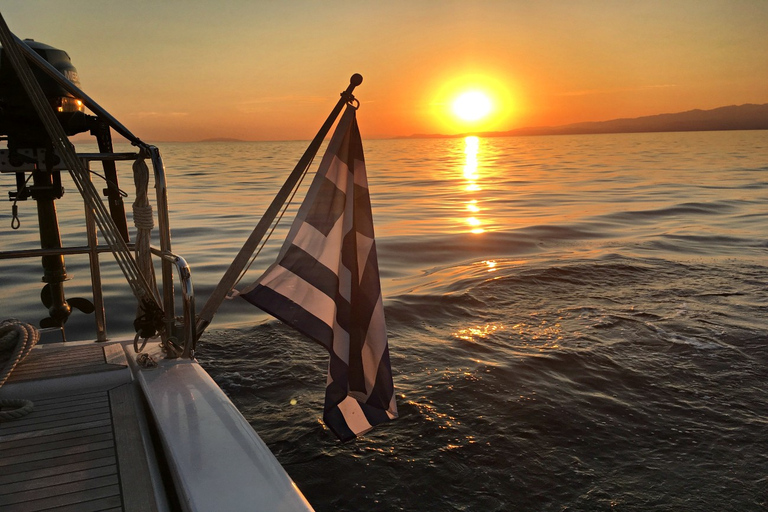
[{"x": 258, "y": 70}]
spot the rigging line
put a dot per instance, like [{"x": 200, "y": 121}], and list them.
[
  {"x": 221, "y": 290},
  {"x": 116, "y": 243},
  {"x": 85, "y": 187},
  {"x": 110, "y": 183},
  {"x": 274, "y": 225},
  {"x": 60, "y": 141}
]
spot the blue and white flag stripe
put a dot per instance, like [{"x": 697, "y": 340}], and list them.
[{"x": 325, "y": 283}]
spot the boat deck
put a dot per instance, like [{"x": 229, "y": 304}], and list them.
[
  {"x": 107, "y": 434},
  {"x": 63, "y": 361},
  {"x": 81, "y": 448}
]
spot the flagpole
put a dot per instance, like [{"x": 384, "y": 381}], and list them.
[{"x": 241, "y": 260}]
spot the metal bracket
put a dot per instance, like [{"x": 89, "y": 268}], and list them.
[{"x": 27, "y": 160}]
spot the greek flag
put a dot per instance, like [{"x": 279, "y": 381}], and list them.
[{"x": 325, "y": 283}]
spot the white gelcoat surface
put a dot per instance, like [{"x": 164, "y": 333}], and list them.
[{"x": 217, "y": 459}]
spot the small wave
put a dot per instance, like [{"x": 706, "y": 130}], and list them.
[
  {"x": 411, "y": 308},
  {"x": 234, "y": 382},
  {"x": 720, "y": 240},
  {"x": 713, "y": 208},
  {"x": 704, "y": 245},
  {"x": 442, "y": 248},
  {"x": 697, "y": 342},
  {"x": 563, "y": 232}
]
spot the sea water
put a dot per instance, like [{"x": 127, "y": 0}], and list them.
[{"x": 575, "y": 322}]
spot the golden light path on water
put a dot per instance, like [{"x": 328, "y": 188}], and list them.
[
  {"x": 471, "y": 150},
  {"x": 472, "y": 176}
]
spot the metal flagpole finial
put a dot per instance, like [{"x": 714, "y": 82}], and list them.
[{"x": 354, "y": 81}]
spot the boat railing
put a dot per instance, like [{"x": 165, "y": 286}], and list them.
[
  {"x": 179, "y": 333},
  {"x": 177, "y": 338},
  {"x": 187, "y": 326}
]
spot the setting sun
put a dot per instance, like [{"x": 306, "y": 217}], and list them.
[
  {"x": 474, "y": 102},
  {"x": 472, "y": 106}
]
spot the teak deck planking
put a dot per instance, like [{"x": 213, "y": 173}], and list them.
[{"x": 75, "y": 452}]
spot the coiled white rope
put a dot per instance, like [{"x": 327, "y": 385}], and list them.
[
  {"x": 16, "y": 340},
  {"x": 143, "y": 219}
]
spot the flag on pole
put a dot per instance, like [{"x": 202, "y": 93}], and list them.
[{"x": 325, "y": 283}]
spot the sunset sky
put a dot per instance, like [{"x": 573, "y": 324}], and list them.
[{"x": 258, "y": 70}]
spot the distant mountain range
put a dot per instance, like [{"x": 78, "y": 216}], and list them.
[
  {"x": 222, "y": 139},
  {"x": 735, "y": 117}
]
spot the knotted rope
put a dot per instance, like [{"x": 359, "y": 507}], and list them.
[
  {"x": 143, "y": 218},
  {"x": 16, "y": 340}
]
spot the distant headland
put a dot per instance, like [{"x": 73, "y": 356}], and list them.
[{"x": 735, "y": 117}]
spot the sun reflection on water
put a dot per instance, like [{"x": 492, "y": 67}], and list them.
[
  {"x": 544, "y": 335},
  {"x": 471, "y": 150},
  {"x": 477, "y": 332}
]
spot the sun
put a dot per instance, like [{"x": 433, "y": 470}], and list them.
[
  {"x": 472, "y": 106},
  {"x": 463, "y": 103}
]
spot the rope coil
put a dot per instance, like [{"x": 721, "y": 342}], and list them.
[
  {"x": 149, "y": 318},
  {"x": 143, "y": 217},
  {"x": 16, "y": 339}
]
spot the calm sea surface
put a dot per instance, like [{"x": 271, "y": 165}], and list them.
[{"x": 576, "y": 323}]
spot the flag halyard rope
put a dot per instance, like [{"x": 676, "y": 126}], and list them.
[{"x": 274, "y": 226}]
